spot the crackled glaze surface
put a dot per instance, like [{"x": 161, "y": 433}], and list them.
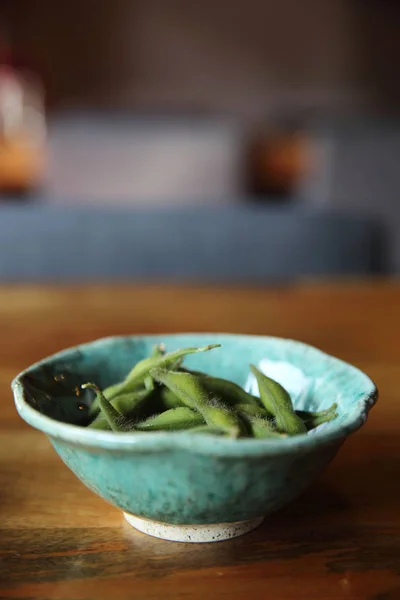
[{"x": 170, "y": 477}]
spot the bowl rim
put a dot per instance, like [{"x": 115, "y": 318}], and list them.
[{"x": 139, "y": 442}]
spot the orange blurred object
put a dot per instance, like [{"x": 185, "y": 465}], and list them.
[
  {"x": 279, "y": 161},
  {"x": 22, "y": 131},
  {"x": 21, "y": 165}
]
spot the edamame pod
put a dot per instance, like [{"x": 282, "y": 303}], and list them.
[
  {"x": 228, "y": 391},
  {"x": 252, "y": 411},
  {"x": 208, "y": 429},
  {"x": 137, "y": 376},
  {"x": 315, "y": 421},
  {"x": 192, "y": 393},
  {"x": 173, "y": 419},
  {"x": 278, "y": 402},
  {"x": 141, "y": 369},
  {"x": 259, "y": 427},
  {"x": 158, "y": 350},
  {"x": 100, "y": 423},
  {"x": 116, "y": 421},
  {"x": 125, "y": 404},
  {"x": 306, "y": 415},
  {"x": 149, "y": 383},
  {"x": 169, "y": 399}
]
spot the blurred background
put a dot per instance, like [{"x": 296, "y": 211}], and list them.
[{"x": 223, "y": 141}]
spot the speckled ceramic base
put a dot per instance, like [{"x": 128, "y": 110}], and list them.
[{"x": 193, "y": 533}]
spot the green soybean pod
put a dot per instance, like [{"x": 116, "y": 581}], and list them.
[
  {"x": 192, "y": 393},
  {"x": 158, "y": 350},
  {"x": 315, "y": 421},
  {"x": 208, "y": 429},
  {"x": 100, "y": 423},
  {"x": 173, "y": 419},
  {"x": 149, "y": 383},
  {"x": 112, "y": 391},
  {"x": 116, "y": 420},
  {"x": 109, "y": 392},
  {"x": 169, "y": 399},
  {"x": 252, "y": 411},
  {"x": 259, "y": 427},
  {"x": 141, "y": 370},
  {"x": 306, "y": 415},
  {"x": 277, "y": 401},
  {"x": 139, "y": 373},
  {"x": 228, "y": 391},
  {"x": 125, "y": 404}
]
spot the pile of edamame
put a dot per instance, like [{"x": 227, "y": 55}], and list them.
[{"x": 160, "y": 394}]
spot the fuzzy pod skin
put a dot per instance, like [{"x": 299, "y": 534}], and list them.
[
  {"x": 315, "y": 421},
  {"x": 258, "y": 427},
  {"x": 278, "y": 402},
  {"x": 209, "y": 429},
  {"x": 306, "y": 415},
  {"x": 253, "y": 411},
  {"x": 192, "y": 393},
  {"x": 137, "y": 377},
  {"x": 125, "y": 404},
  {"x": 228, "y": 391},
  {"x": 169, "y": 399},
  {"x": 171, "y": 420},
  {"x": 116, "y": 420}
]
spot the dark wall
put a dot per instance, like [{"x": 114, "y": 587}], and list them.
[{"x": 248, "y": 57}]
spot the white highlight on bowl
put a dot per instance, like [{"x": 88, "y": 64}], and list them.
[{"x": 193, "y": 533}]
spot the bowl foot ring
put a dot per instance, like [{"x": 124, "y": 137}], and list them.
[{"x": 193, "y": 533}]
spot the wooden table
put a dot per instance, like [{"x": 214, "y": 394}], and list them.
[{"x": 340, "y": 540}]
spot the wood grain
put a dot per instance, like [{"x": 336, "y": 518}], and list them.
[{"x": 340, "y": 540}]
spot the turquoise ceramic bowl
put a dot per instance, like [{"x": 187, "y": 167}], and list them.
[{"x": 184, "y": 487}]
